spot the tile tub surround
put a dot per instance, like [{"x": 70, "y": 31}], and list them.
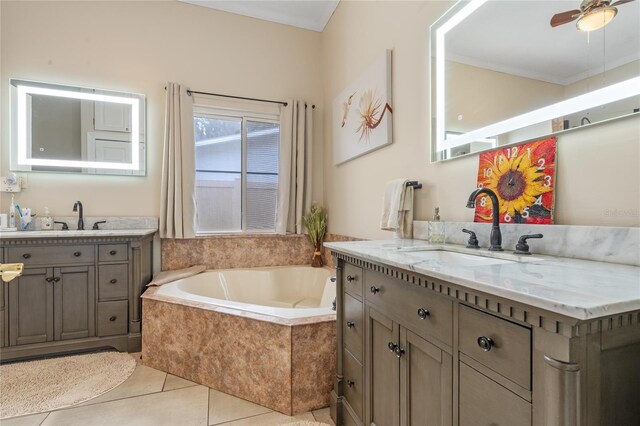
[
  {"x": 579, "y": 289},
  {"x": 241, "y": 251},
  {"x": 599, "y": 243},
  {"x": 287, "y": 367}
]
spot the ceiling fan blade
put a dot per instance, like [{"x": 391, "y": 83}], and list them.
[
  {"x": 619, "y": 2},
  {"x": 566, "y": 17}
]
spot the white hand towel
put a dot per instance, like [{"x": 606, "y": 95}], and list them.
[{"x": 397, "y": 208}]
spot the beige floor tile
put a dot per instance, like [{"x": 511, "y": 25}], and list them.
[
  {"x": 186, "y": 406},
  {"x": 31, "y": 420},
  {"x": 323, "y": 415},
  {"x": 270, "y": 419},
  {"x": 144, "y": 380},
  {"x": 175, "y": 382},
  {"x": 226, "y": 408}
]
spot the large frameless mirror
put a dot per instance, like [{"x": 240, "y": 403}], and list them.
[
  {"x": 61, "y": 128},
  {"x": 502, "y": 74}
]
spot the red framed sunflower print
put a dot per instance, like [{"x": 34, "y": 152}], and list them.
[{"x": 523, "y": 178}]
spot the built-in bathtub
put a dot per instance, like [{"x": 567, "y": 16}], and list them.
[{"x": 267, "y": 335}]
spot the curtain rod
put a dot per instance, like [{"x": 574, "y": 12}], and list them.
[{"x": 189, "y": 92}]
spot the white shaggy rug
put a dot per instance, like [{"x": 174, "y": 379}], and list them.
[{"x": 44, "y": 385}]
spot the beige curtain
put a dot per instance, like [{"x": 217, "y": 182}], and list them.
[
  {"x": 178, "y": 202},
  {"x": 294, "y": 174}
]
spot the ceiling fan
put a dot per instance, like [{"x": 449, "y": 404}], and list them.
[{"x": 592, "y": 15}]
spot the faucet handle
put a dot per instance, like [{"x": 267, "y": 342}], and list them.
[
  {"x": 65, "y": 227},
  {"x": 96, "y": 225},
  {"x": 473, "y": 240},
  {"x": 522, "y": 247}
]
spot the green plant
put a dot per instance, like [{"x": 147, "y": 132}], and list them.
[{"x": 316, "y": 223}]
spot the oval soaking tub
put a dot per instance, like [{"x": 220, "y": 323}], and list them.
[
  {"x": 267, "y": 335},
  {"x": 282, "y": 291}
]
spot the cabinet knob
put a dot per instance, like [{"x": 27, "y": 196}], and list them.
[
  {"x": 485, "y": 343},
  {"x": 423, "y": 313},
  {"x": 350, "y": 324},
  {"x": 350, "y": 278},
  {"x": 113, "y": 252},
  {"x": 48, "y": 279},
  {"x": 77, "y": 254},
  {"x": 374, "y": 289},
  {"x": 26, "y": 256},
  {"x": 399, "y": 351},
  {"x": 350, "y": 383},
  {"x": 113, "y": 318},
  {"x": 113, "y": 281},
  {"x": 392, "y": 346}
]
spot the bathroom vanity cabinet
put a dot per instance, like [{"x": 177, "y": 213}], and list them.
[
  {"x": 417, "y": 350},
  {"x": 75, "y": 293}
]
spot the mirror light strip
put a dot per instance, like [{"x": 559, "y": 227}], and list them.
[
  {"x": 612, "y": 93},
  {"x": 23, "y": 91}
]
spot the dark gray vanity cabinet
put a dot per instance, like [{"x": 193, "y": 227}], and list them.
[
  {"x": 74, "y": 294},
  {"x": 415, "y": 350}
]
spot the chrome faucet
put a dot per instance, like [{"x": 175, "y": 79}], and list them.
[
  {"x": 77, "y": 207},
  {"x": 496, "y": 236}
]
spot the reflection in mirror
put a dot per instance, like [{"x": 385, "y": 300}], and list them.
[
  {"x": 76, "y": 129},
  {"x": 501, "y": 74}
]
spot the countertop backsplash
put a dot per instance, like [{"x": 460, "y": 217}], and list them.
[{"x": 599, "y": 243}]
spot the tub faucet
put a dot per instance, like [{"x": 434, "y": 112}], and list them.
[
  {"x": 496, "y": 236},
  {"x": 77, "y": 207}
]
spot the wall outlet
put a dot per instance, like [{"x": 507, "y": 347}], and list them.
[{"x": 5, "y": 186}]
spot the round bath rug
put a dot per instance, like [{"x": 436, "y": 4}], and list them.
[{"x": 44, "y": 385}]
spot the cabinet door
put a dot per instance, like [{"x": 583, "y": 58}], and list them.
[
  {"x": 31, "y": 307},
  {"x": 112, "y": 117},
  {"x": 383, "y": 371},
  {"x": 426, "y": 380},
  {"x": 74, "y": 302}
]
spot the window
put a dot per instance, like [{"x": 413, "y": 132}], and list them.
[{"x": 236, "y": 170}]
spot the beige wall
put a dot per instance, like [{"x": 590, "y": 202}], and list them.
[
  {"x": 137, "y": 47},
  {"x": 598, "y": 181}
]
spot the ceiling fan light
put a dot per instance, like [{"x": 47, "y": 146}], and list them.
[{"x": 596, "y": 18}]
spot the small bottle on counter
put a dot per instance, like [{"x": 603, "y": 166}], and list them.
[
  {"x": 436, "y": 228},
  {"x": 12, "y": 213},
  {"x": 46, "y": 221}
]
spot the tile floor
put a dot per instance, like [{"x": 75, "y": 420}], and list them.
[{"x": 152, "y": 397}]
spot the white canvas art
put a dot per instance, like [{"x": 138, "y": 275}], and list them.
[{"x": 362, "y": 113}]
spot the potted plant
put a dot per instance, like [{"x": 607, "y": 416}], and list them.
[{"x": 316, "y": 223}]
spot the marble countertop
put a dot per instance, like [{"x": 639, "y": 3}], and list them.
[
  {"x": 73, "y": 233},
  {"x": 580, "y": 289}
]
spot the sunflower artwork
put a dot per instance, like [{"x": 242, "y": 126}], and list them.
[{"x": 523, "y": 178}]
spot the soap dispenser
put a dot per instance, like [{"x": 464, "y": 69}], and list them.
[
  {"x": 46, "y": 222},
  {"x": 436, "y": 228}
]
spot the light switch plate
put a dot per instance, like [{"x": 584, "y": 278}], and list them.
[{"x": 7, "y": 187}]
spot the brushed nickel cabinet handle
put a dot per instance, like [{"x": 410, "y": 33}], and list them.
[
  {"x": 113, "y": 281},
  {"x": 48, "y": 279},
  {"x": 374, "y": 290},
  {"x": 56, "y": 279},
  {"x": 423, "y": 313},
  {"x": 77, "y": 254},
  {"x": 113, "y": 318},
  {"x": 350, "y": 324},
  {"x": 26, "y": 256},
  {"x": 113, "y": 252},
  {"x": 350, "y": 278},
  {"x": 350, "y": 383}
]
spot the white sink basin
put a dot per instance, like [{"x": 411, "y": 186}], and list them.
[{"x": 458, "y": 259}]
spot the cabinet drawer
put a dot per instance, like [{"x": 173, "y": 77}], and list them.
[
  {"x": 509, "y": 351},
  {"x": 484, "y": 402},
  {"x": 112, "y": 318},
  {"x": 347, "y": 418},
  {"x": 352, "y": 281},
  {"x": 112, "y": 252},
  {"x": 352, "y": 328},
  {"x": 113, "y": 281},
  {"x": 51, "y": 255},
  {"x": 353, "y": 384},
  {"x": 423, "y": 312}
]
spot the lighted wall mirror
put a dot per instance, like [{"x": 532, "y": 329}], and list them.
[
  {"x": 61, "y": 128},
  {"x": 501, "y": 74}
]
